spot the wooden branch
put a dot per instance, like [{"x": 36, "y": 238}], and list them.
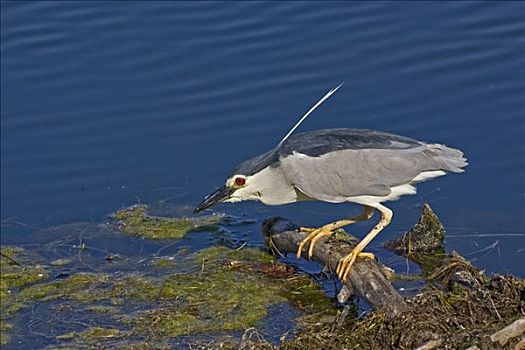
[{"x": 366, "y": 279}]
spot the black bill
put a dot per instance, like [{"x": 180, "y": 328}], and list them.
[{"x": 217, "y": 196}]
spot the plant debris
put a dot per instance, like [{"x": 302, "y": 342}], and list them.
[
  {"x": 221, "y": 290},
  {"x": 459, "y": 319},
  {"x": 136, "y": 221},
  {"x": 423, "y": 244},
  {"x": 209, "y": 298},
  {"x": 17, "y": 270}
]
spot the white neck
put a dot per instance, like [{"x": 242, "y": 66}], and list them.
[{"x": 269, "y": 186}]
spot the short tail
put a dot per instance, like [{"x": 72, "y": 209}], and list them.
[{"x": 448, "y": 159}]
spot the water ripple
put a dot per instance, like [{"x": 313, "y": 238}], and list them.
[{"x": 151, "y": 94}]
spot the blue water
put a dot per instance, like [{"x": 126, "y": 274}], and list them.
[{"x": 104, "y": 105}]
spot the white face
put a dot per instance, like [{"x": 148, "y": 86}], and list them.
[{"x": 245, "y": 188}]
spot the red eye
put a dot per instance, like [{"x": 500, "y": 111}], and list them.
[{"x": 240, "y": 181}]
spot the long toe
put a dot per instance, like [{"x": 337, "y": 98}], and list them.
[
  {"x": 345, "y": 264},
  {"x": 322, "y": 233},
  {"x": 349, "y": 261},
  {"x": 306, "y": 240}
]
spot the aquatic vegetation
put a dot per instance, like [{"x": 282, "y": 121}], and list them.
[
  {"x": 456, "y": 319},
  {"x": 60, "y": 262},
  {"x": 221, "y": 290},
  {"x": 136, "y": 221},
  {"x": 164, "y": 263},
  {"x": 102, "y": 309},
  {"x": 222, "y": 297},
  {"x": 219, "y": 253},
  {"x": 4, "y": 327},
  {"x": 17, "y": 270},
  {"x": 217, "y": 292},
  {"x": 91, "y": 334},
  {"x": 424, "y": 243}
]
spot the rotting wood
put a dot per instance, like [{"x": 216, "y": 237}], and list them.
[{"x": 366, "y": 279}]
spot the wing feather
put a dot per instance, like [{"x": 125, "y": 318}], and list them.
[{"x": 338, "y": 175}]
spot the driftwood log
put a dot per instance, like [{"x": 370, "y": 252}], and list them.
[
  {"x": 490, "y": 310},
  {"x": 366, "y": 278}
]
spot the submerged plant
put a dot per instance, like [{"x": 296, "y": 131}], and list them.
[
  {"x": 220, "y": 290},
  {"x": 137, "y": 222}
]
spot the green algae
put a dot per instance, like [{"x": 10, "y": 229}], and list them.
[
  {"x": 80, "y": 287},
  {"x": 136, "y": 221},
  {"x": 221, "y": 298},
  {"x": 102, "y": 309},
  {"x": 60, "y": 262},
  {"x": 16, "y": 271},
  {"x": 219, "y": 253},
  {"x": 218, "y": 300},
  {"x": 214, "y": 296},
  {"x": 4, "y": 327},
  {"x": 93, "y": 287},
  {"x": 92, "y": 334},
  {"x": 162, "y": 263}
]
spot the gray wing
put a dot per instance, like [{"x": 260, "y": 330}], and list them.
[
  {"x": 318, "y": 142},
  {"x": 337, "y": 175}
]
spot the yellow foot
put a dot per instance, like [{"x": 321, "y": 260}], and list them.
[
  {"x": 345, "y": 264},
  {"x": 314, "y": 236}
]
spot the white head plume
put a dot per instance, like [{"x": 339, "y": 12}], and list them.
[{"x": 330, "y": 93}]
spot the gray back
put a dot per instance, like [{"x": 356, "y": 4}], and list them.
[{"x": 318, "y": 142}]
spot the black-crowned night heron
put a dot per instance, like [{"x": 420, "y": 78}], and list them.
[{"x": 338, "y": 165}]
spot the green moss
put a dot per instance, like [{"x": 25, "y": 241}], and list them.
[
  {"x": 164, "y": 263},
  {"x": 136, "y": 222},
  {"x": 90, "y": 287},
  {"x": 102, "y": 309},
  {"x": 92, "y": 334},
  {"x": 218, "y": 297},
  {"x": 60, "y": 262},
  {"x": 4, "y": 327},
  {"x": 11, "y": 252},
  {"x": 222, "y": 298},
  {"x": 219, "y": 253},
  {"x": 16, "y": 277},
  {"x": 134, "y": 287},
  {"x": 16, "y": 272},
  {"x": 80, "y": 287},
  {"x": 219, "y": 300}
]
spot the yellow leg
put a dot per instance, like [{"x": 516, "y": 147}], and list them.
[
  {"x": 320, "y": 235},
  {"x": 329, "y": 228},
  {"x": 306, "y": 240},
  {"x": 345, "y": 264}
]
